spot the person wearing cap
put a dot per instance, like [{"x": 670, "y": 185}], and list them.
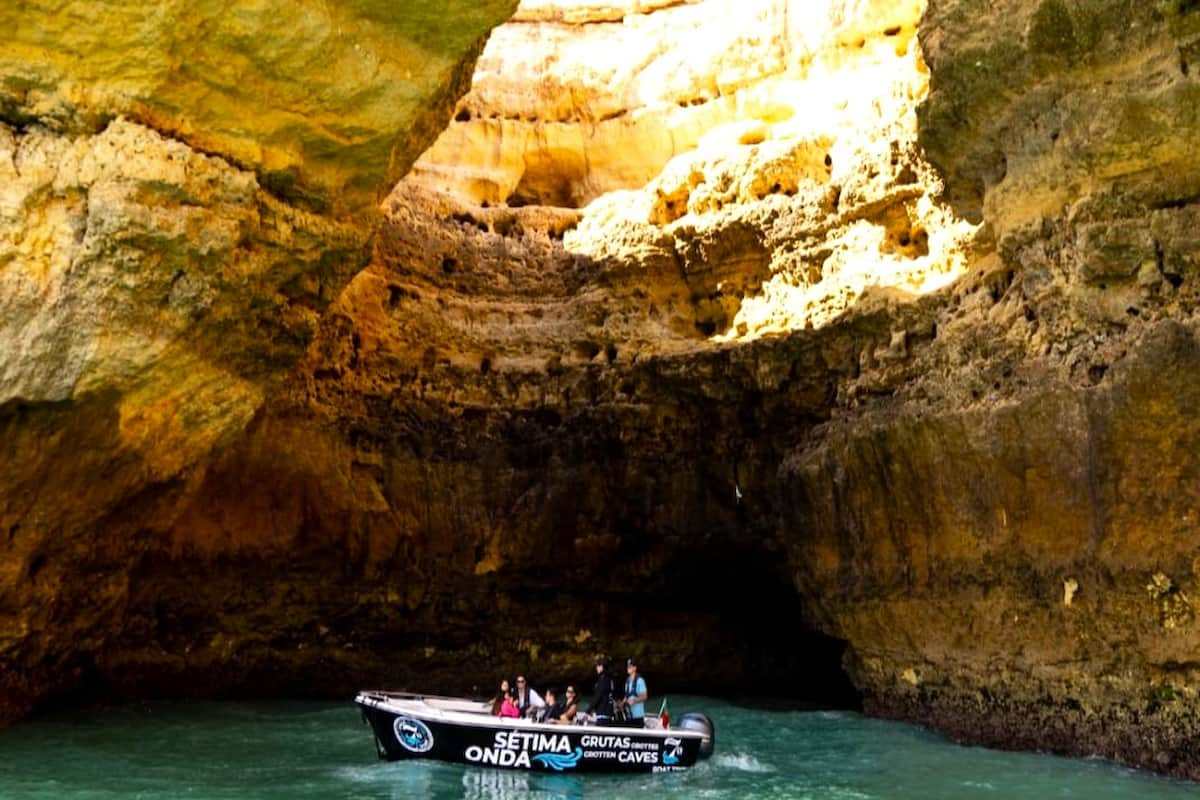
[
  {"x": 635, "y": 696},
  {"x": 602, "y": 694}
]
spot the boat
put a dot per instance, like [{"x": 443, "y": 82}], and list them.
[{"x": 464, "y": 731}]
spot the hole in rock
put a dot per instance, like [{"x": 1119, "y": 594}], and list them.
[
  {"x": 36, "y": 565},
  {"x": 586, "y": 349},
  {"x": 771, "y": 652},
  {"x": 552, "y": 177},
  {"x": 83, "y": 684},
  {"x": 508, "y": 226}
]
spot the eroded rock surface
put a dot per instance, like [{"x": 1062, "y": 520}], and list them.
[
  {"x": 181, "y": 195},
  {"x": 770, "y": 157},
  {"x": 1044, "y": 441},
  {"x": 328, "y": 103},
  {"x": 600, "y": 390}
]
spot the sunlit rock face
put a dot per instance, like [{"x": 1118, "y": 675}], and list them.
[
  {"x": 664, "y": 347},
  {"x": 1007, "y": 535},
  {"x": 933, "y": 468},
  {"x": 125, "y": 252},
  {"x": 328, "y": 103},
  {"x": 769, "y": 152}
]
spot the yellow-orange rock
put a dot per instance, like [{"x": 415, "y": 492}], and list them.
[
  {"x": 531, "y": 416},
  {"x": 797, "y": 120},
  {"x": 328, "y": 103},
  {"x": 183, "y": 191}
]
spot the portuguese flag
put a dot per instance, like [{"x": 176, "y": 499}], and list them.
[{"x": 664, "y": 716}]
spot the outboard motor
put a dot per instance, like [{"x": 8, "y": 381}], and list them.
[{"x": 695, "y": 721}]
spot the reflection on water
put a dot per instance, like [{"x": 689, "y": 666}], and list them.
[{"x": 492, "y": 784}]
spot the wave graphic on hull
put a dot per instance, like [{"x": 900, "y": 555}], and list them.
[{"x": 557, "y": 762}]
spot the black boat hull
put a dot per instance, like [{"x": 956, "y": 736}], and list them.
[{"x": 518, "y": 745}]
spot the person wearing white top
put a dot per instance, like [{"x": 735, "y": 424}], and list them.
[{"x": 527, "y": 698}]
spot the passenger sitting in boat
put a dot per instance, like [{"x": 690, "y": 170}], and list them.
[
  {"x": 498, "y": 700},
  {"x": 509, "y": 707},
  {"x": 529, "y": 701},
  {"x": 570, "y": 707},
  {"x": 552, "y": 710}
]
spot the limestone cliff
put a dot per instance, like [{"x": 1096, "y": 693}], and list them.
[
  {"x": 1011, "y": 520},
  {"x": 325, "y": 102},
  {"x": 181, "y": 194},
  {"x": 664, "y": 346}
]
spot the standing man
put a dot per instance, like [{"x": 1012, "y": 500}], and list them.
[
  {"x": 528, "y": 700},
  {"x": 635, "y": 695},
  {"x": 602, "y": 694}
]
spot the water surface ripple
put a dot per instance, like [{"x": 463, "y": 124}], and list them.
[{"x": 272, "y": 751}]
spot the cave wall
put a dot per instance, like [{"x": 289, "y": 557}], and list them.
[
  {"x": 182, "y": 193},
  {"x": 448, "y": 461},
  {"x": 913, "y": 371},
  {"x": 1011, "y": 528}
]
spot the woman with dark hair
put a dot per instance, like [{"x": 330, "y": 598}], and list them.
[
  {"x": 510, "y": 707},
  {"x": 498, "y": 700},
  {"x": 570, "y": 707}
]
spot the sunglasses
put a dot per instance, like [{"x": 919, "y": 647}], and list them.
[{"x": 520, "y": 680}]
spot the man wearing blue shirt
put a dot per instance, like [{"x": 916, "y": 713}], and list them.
[{"x": 635, "y": 696}]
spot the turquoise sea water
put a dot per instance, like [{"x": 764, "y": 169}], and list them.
[{"x": 308, "y": 750}]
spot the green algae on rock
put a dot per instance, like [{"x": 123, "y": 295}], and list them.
[
  {"x": 183, "y": 189},
  {"x": 328, "y": 103}
]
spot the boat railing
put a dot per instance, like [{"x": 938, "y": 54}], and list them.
[{"x": 434, "y": 701}]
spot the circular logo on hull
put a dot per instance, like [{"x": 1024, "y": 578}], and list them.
[{"x": 413, "y": 735}]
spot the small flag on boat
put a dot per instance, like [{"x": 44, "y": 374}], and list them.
[{"x": 664, "y": 716}]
